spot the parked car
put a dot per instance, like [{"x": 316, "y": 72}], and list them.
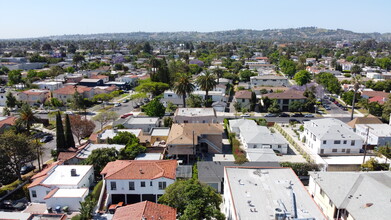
[
  {"x": 126, "y": 115},
  {"x": 117, "y": 104},
  {"x": 344, "y": 108},
  {"x": 18, "y": 205},
  {"x": 297, "y": 115},
  {"x": 69, "y": 112},
  {"x": 26, "y": 169},
  {"x": 294, "y": 121},
  {"x": 46, "y": 139},
  {"x": 309, "y": 116},
  {"x": 245, "y": 115},
  {"x": 327, "y": 107},
  {"x": 125, "y": 100},
  {"x": 271, "y": 115},
  {"x": 284, "y": 115},
  {"x": 168, "y": 113}
]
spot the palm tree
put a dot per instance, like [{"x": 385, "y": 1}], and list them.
[
  {"x": 206, "y": 82},
  {"x": 356, "y": 81},
  {"x": 26, "y": 116},
  {"x": 183, "y": 86}
]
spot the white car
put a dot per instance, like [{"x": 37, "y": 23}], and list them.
[
  {"x": 117, "y": 104},
  {"x": 245, "y": 115},
  {"x": 309, "y": 116}
]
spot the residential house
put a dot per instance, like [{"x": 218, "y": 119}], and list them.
[
  {"x": 219, "y": 106},
  {"x": 111, "y": 133},
  {"x": 104, "y": 89},
  {"x": 364, "y": 120},
  {"x": 331, "y": 136},
  {"x": 86, "y": 151},
  {"x": 6, "y": 122},
  {"x": 268, "y": 80},
  {"x": 266, "y": 193},
  {"x": 66, "y": 93},
  {"x": 189, "y": 138},
  {"x": 253, "y": 136},
  {"x": 33, "y": 96},
  {"x": 104, "y": 78},
  {"x": 346, "y": 66},
  {"x": 284, "y": 99},
  {"x": 73, "y": 78},
  {"x": 145, "y": 210},
  {"x": 3, "y": 97},
  {"x": 49, "y": 85},
  {"x": 119, "y": 85},
  {"x": 244, "y": 98},
  {"x": 91, "y": 82},
  {"x": 62, "y": 185},
  {"x": 132, "y": 181},
  {"x": 352, "y": 195},
  {"x": 146, "y": 123},
  {"x": 212, "y": 172},
  {"x": 375, "y": 134},
  {"x": 195, "y": 115},
  {"x": 159, "y": 135},
  {"x": 375, "y": 96}
]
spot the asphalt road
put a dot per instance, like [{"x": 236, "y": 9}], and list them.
[{"x": 284, "y": 119}]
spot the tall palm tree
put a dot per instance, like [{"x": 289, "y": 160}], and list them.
[
  {"x": 26, "y": 116},
  {"x": 183, "y": 86},
  {"x": 206, "y": 82},
  {"x": 356, "y": 81}
]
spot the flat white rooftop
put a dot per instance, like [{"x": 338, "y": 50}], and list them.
[
  {"x": 349, "y": 160},
  {"x": 143, "y": 121},
  {"x": 112, "y": 133},
  {"x": 195, "y": 112},
  {"x": 257, "y": 193},
  {"x": 86, "y": 151},
  {"x": 149, "y": 156},
  {"x": 62, "y": 175},
  {"x": 70, "y": 193},
  {"x": 160, "y": 131}
]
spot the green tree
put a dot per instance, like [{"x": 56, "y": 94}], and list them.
[
  {"x": 329, "y": 81},
  {"x": 81, "y": 127},
  {"x": 183, "y": 86},
  {"x": 17, "y": 150},
  {"x": 147, "y": 48},
  {"x": 219, "y": 73},
  {"x": 274, "y": 107},
  {"x": 105, "y": 117},
  {"x": 375, "y": 109},
  {"x": 387, "y": 110},
  {"x": 384, "y": 63},
  {"x": 86, "y": 209},
  {"x": 78, "y": 101},
  {"x": 237, "y": 106},
  {"x": 6, "y": 111},
  {"x": 55, "y": 71},
  {"x": 373, "y": 165},
  {"x": 206, "y": 82},
  {"x": 347, "y": 97},
  {"x": 253, "y": 101},
  {"x": 167, "y": 122},
  {"x": 100, "y": 157},
  {"x": 194, "y": 101},
  {"x": 26, "y": 117},
  {"x": 288, "y": 67},
  {"x": 193, "y": 200},
  {"x": 10, "y": 100},
  {"x": 246, "y": 74},
  {"x": 385, "y": 151},
  {"x": 69, "y": 141},
  {"x": 60, "y": 135},
  {"x": 302, "y": 77},
  {"x": 295, "y": 106},
  {"x": 154, "y": 108},
  {"x": 133, "y": 146},
  {"x": 78, "y": 58},
  {"x": 155, "y": 88},
  {"x": 14, "y": 77},
  {"x": 171, "y": 107}
]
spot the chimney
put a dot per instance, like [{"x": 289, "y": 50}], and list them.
[{"x": 73, "y": 172}]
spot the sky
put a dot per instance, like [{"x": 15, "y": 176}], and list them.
[{"x": 37, "y": 18}]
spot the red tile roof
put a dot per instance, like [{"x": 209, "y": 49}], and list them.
[
  {"x": 35, "y": 92},
  {"x": 140, "y": 169},
  {"x": 145, "y": 210},
  {"x": 378, "y": 99},
  {"x": 69, "y": 90},
  {"x": 41, "y": 176},
  {"x": 8, "y": 121},
  {"x": 99, "y": 77},
  {"x": 243, "y": 94},
  {"x": 51, "y": 193},
  {"x": 371, "y": 94},
  {"x": 64, "y": 156}
]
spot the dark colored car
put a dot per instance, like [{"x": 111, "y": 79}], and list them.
[
  {"x": 293, "y": 121},
  {"x": 284, "y": 115},
  {"x": 46, "y": 139},
  {"x": 297, "y": 115},
  {"x": 26, "y": 168}
]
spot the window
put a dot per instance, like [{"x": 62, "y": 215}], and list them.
[
  {"x": 169, "y": 95},
  {"x": 337, "y": 142},
  {"x": 142, "y": 184},
  {"x": 34, "y": 194},
  {"x": 330, "y": 203},
  {"x": 345, "y": 142},
  {"x": 334, "y": 150},
  {"x": 343, "y": 150},
  {"x": 352, "y": 143},
  {"x": 113, "y": 185},
  {"x": 131, "y": 185},
  {"x": 151, "y": 183},
  {"x": 348, "y": 151},
  {"x": 242, "y": 100},
  {"x": 321, "y": 192},
  {"x": 162, "y": 185},
  {"x": 321, "y": 151},
  {"x": 279, "y": 146},
  {"x": 255, "y": 146},
  {"x": 324, "y": 142}
]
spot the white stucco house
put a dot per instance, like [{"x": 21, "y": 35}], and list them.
[
  {"x": 331, "y": 136},
  {"x": 268, "y": 80},
  {"x": 144, "y": 123},
  {"x": 132, "y": 181},
  {"x": 62, "y": 185},
  {"x": 375, "y": 134}
]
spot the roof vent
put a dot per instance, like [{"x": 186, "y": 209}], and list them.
[
  {"x": 73, "y": 172},
  {"x": 141, "y": 171},
  {"x": 368, "y": 205}
]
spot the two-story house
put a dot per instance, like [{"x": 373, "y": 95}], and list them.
[
  {"x": 268, "y": 80},
  {"x": 244, "y": 98},
  {"x": 66, "y": 93},
  {"x": 195, "y": 115},
  {"x": 132, "y": 181},
  {"x": 331, "y": 136},
  {"x": 375, "y": 134},
  {"x": 33, "y": 96},
  {"x": 285, "y": 98},
  {"x": 62, "y": 185}
]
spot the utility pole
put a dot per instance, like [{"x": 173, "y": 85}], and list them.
[{"x": 365, "y": 146}]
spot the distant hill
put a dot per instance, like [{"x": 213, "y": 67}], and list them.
[{"x": 291, "y": 34}]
